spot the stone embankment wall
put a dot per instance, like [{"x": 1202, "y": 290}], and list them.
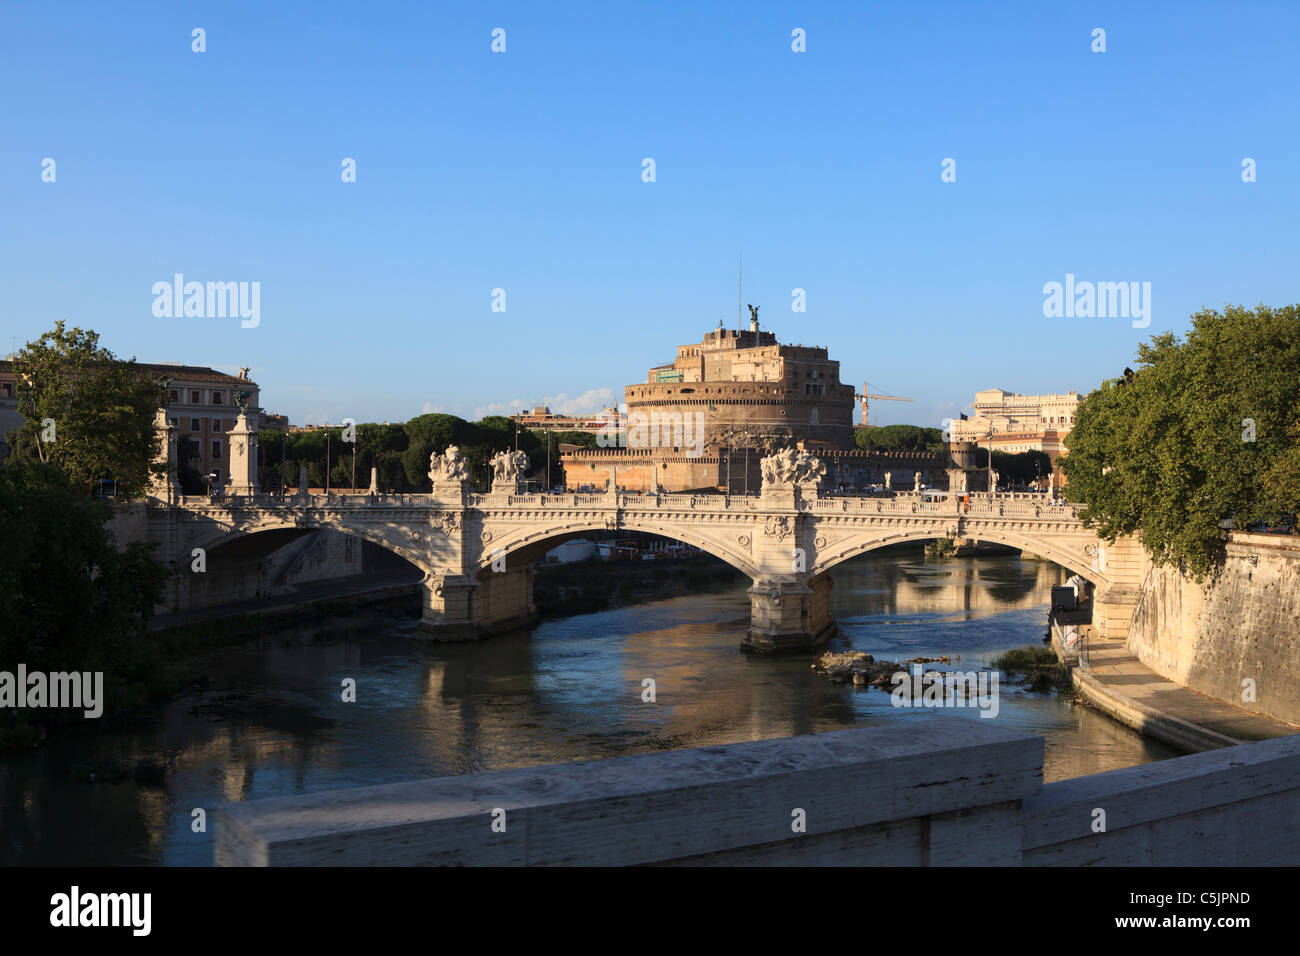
[
  {"x": 940, "y": 792},
  {"x": 1234, "y": 635}
]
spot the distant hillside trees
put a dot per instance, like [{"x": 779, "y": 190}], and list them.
[
  {"x": 899, "y": 438},
  {"x": 401, "y": 451}
]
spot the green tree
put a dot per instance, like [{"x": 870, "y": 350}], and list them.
[
  {"x": 69, "y": 598},
  {"x": 438, "y": 431},
  {"x": 86, "y": 411},
  {"x": 1018, "y": 468},
  {"x": 899, "y": 438},
  {"x": 1203, "y": 431}
]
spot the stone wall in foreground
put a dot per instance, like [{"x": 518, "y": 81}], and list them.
[
  {"x": 946, "y": 791},
  {"x": 1239, "y": 626}
]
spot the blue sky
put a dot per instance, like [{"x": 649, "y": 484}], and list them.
[{"x": 522, "y": 171}]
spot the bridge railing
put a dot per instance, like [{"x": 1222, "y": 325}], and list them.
[
  {"x": 980, "y": 504},
  {"x": 1009, "y": 504}
]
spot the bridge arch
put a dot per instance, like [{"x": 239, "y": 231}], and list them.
[
  {"x": 534, "y": 542},
  {"x": 225, "y": 535},
  {"x": 841, "y": 551}
]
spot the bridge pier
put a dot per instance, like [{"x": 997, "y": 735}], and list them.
[
  {"x": 465, "y": 607},
  {"x": 1112, "y": 610},
  {"x": 789, "y": 615}
]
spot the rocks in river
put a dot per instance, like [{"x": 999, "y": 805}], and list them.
[{"x": 860, "y": 668}]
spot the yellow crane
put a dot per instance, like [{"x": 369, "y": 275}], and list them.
[{"x": 865, "y": 394}]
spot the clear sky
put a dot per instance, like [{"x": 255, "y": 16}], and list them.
[{"x": 523, "y": 171}]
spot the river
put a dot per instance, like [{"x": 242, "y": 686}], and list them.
[{"x": 272, "y": 721}]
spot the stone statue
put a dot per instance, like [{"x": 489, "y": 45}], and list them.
[
  {"x": 916, "y": 481},
  {"x": 448, "y": 467},
  {"x": 996, "y": 479},
  {"x": 790, "y": 467},
  {"x": 508, "y": 467},
  {"x": 241, "y": 400},
  {"x": 753, "y": 312},
  {"x": 808, "y": 470},
  {"x": 889, "y": 481}
]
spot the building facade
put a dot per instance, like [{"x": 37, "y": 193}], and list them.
[
  {"x": 1015, "y": 423},
  {"x": 543, "y": 419},
  {"x": 202, "y": 405}
]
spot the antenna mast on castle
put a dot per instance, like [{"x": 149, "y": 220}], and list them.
[{"x": 740, "y": 273}]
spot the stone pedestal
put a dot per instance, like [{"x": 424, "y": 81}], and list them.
[
  {"x": 789, "y": 614},
  {"x": 450, "y": 492},
  {"x": 778, "y": 497},
  {"x": 243, "y": 457},
  {"x": 164, "y": 487}
]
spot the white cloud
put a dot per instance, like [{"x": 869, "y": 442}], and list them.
[{"x": 438, "y": 408}]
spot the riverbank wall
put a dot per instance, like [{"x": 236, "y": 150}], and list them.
[
  {"x": 1233, "y": 635},
  {"x": 949, "y": 791}
]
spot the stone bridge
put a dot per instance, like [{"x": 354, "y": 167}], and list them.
[{"x": 477, "y": 549}]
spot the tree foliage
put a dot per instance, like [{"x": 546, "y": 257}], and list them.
[
  {"x": 1205, "y": 430},
  {"x": 69, "y": 599},
  {"x": 401, "y": 452},
  {"x": 86, "y": 411},
  {"x": 899, "y": 438},
  {"x": 1018, "y": 468}
]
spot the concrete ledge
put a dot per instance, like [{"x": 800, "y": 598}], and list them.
[
  {"x": 1174, "y": 731},
  {"x": 915, "y": 787},
  {"x": 1234, "y": 806}
]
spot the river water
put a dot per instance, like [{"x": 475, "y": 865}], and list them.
[{"x": 272, "y": 721}]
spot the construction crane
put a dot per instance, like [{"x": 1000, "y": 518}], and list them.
[{"x": 866, "y": 395}]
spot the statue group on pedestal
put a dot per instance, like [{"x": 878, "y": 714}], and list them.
[
  {"x": 509, "y": 467},
  {"x": 790, "y": 466},
  {"x": 448, "y": 467}
]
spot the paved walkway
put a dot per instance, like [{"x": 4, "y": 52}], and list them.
[
  {"x": 1115, "y": 680},
  {"x": 378, "y": 586}
]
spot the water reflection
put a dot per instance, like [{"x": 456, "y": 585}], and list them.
[{"x": 273, "y": 722}]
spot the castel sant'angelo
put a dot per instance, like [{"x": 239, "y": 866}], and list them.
[{"x": 704, "y": 422}]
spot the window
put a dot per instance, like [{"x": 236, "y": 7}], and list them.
[
  {"x": 216, "y": 424},
  {"x": 173, "y": 422},
  {"x": 194, "y": 425},
  {"x": 216, "y": 398},
  {"x": 216, "y": 449},
  {"x": 196, "y": 398},
  {"x": 174, "y": 395}
]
